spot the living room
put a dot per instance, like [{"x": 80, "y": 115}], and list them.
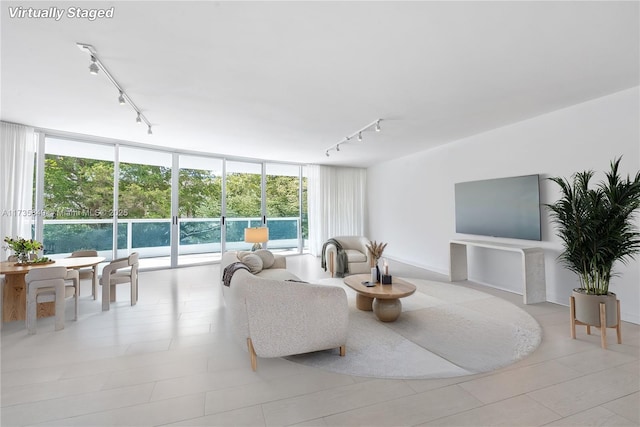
[{"x": 462, "y": 91}]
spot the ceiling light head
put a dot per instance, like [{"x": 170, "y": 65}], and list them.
[
  {"x": 378, "y": 126},
  {"x": 338, "y": 147},
  {"x": 93, "y": 68},
  {"x": 138, "y": 119},
  {"x": 121, "y": 99},
  {"x": 326, "y": 153},
  {"x": 149, "y": 130},
  {"x": 360, "y": 136}
]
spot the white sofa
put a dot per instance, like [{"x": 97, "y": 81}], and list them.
[
  {"x": 275, "y": 315},
  {"x": 359, "y": 258}
]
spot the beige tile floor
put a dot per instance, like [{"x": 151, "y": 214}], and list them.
[{"x": 170, "y": 361}]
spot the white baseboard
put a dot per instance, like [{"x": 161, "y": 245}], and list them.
[{"x": 419, "y": 265}]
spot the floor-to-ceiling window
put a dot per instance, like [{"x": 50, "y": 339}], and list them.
[
  {"x": 243, "y": 202},
  {"x": 78, "y": 197},
  {"x": 144, "y": 204},
  {"x": 304, "y": 217},
  {"x": 283, "y": 206},
  {"x": 172, "y": 208},
  {"x": 200, "y": 209}
]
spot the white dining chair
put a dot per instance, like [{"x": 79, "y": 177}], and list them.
[
  {"x": 90, "y": 272},
  {"x": 119, "y": 271},
  {"x": 49, "y": 284}
]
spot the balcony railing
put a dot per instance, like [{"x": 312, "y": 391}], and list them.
[{"x": 152, "y": 237}]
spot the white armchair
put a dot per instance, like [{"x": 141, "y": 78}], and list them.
[
  {"x": 359, "y": 258},
  {"x": 118, "y": 271}
]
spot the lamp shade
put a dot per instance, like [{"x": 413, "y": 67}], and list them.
[{"x": 256, "y": 235}]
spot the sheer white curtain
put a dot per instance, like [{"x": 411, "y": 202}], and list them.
[
  {"x": 337, "y": 203},
  {"x": 17, "y": 157}
]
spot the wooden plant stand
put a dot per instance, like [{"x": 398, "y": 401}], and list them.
[{"x": 603, "y": 323}]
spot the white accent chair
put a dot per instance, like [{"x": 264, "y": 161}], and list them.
[
  {"x": 359, "y": 258},
  {"x": 90, "y": 272},
  {"x": 119, "y": 271},
  {"x": 47, "y": 284}
]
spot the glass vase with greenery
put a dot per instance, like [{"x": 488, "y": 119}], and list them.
[
  {"x": 596, "y": 225},
  {"x": 22, "y": 248}
]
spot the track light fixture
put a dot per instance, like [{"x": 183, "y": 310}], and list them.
[
  {"x": 93, "y": 68},
  {"x": 97, "y": 65},
  {"x": 375, "y": 125}
]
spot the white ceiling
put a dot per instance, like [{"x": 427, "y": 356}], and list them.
[{"x": 286, "y": 80}]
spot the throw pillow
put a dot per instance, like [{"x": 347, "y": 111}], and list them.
[
  {"x": 267, "y": 258},
  {"x": 254, "y": 262}
]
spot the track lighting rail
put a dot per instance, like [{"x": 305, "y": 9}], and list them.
[
  {"x": 123, "y": 98},
  {"x": 357, "y": 134}
]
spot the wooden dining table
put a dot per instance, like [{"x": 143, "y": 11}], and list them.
[{"x": 14, "y": 292}]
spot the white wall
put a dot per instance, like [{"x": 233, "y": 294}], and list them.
[{"x": 419, "y": 220}]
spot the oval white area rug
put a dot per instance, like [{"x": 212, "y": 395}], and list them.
[{"x": 445, "y": 330}]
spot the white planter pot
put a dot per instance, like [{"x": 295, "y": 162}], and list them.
[{"x": 588, "y": 308}]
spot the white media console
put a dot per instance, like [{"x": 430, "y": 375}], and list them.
[{"x": 535, "y": 288}]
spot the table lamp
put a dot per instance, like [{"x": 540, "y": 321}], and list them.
[{"x": 256, "y": 235}]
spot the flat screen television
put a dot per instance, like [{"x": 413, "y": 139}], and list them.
[{"x": 502, "y": 207}]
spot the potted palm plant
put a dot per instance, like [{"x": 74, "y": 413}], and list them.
[{"x": 597, "y": 230}]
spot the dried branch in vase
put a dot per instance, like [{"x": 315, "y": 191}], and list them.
[{"x": 376, "y": 249}]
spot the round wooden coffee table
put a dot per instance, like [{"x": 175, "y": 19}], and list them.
[{"x": 384, "y": 300}]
